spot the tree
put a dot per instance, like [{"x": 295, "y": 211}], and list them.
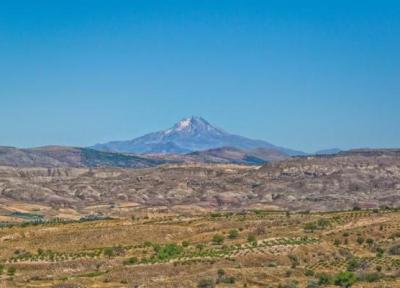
[
  {"x": 345, "y": 279},
  {"x": 109, "y": 252}
]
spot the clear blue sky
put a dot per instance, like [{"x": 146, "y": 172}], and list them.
[{"x": 302, "y": 74}]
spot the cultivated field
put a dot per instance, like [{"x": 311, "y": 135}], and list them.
[{"x": 247, "y": 248}]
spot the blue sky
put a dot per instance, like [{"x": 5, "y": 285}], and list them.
[{"x": 307, "y": 75}]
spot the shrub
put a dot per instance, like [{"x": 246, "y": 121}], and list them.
[
  {"x": 312, "y": 283},
  {"x": 353, "y": 265},
  {"x": 324, "y": 279},
  {"x": 11, "y": 270},
  {"x": 345, "y": 279},
  {"x": 228, "y": 280},
  {"x": 218, "y": 239},
  {"x": 109, "y": 252},
  {"x": 221, "y": 272},
  {"x": 310, "y": 227},
  {"x": 394, "y": 250},
  {"x": 206, "y": 283},
  {"x": 168, "y": 251},
  {"x": 360, "y": 240},
  {"x": 251, "y": 238},
  {"x": 379, "y": 252},
  {"x": 294, "y": 259},
  {"x": 370, "y": 277},
  {"x": 233, "y": 234},
  {"x": 309, "y": 273}
]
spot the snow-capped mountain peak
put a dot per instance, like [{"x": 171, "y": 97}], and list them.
[
  {"x": 194, "y": 124},
  {"x": 188, "y": 135}
]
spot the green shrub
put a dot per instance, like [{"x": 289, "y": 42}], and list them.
[
  {"x": 309, "y": 273},
  {"x": 324, "y": 279},
  {"x": 251, "y": 238},
  {"x": 218, "y": 239},
  {"x": 206, "y": 283},
  {"x": 133, "y": 260},
  {"x": 313, "y": 283},
  {"x": 360, "y": 240},
  {"x": 233, "y": 234},
  {"x": 394, "y": 250},
  {"x": 345, "y": 279},
  {"x": 370, "y": 277},
  {"x": 11, "y": 270},
  {"x": 168, "y": 251}
]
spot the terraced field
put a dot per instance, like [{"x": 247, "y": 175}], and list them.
[{"x": 252, "y": 248}]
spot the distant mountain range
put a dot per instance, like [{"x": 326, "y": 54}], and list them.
[
  {"x": 190, "y": 140},
  {"x": 331, "y": 151},
  {"x": 189, "y": 135},
  {"x": 60, "y": 156}
]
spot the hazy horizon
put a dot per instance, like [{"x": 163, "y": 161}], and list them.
[{"x": 304, "y": 75}]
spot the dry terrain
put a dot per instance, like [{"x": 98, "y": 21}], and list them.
[
  {"x": 323, "y": 221},
  {"x": 228, "y": 249}
]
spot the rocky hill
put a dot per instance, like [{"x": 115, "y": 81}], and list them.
[
  {"x": 60, "y": 156},
  {"x": 304, "y": 183}
]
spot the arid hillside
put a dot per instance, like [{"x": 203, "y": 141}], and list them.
[{"x": 307, "y": 183}]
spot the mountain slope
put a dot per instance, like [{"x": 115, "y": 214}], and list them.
[
  {"x": 237, "y": 156},
  {"x": 59, "y": 156},
  {"x": 191, "y": 134}
]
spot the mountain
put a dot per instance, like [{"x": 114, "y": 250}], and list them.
[
  {"x": 237, "y": 156},
  {"x": 188, "y": 135},
  {"x": 331, "y": 151},
  {"x": 60, "y": 156}
]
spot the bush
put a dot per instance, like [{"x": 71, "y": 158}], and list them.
[
  {"x": 309, "y": 273},
  {"x": 221, "y": 272},
  {"x": 394, "y": 250},
  {"x": 206, "y": 283},
  {"x": 370, "y": 277},
  {"x": 218, "y": 239},
  {"x": 324, "y": 279},
  {"x": 353, "y": 265},
  {"x": 360, "y": 240},
  {"x": 345, "y": 279},
  {"x": 109, "y": 252},
  {"x": 168, "y": 251},
  {"x": 228, "y": 280},
  {"x": 312, "y": 283},
  {"x": 251, "y": 238},
  {"x": 11, "y": 271},
  {"x": 233, "y": 234},
  {"x": 310, "y": 227}
]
